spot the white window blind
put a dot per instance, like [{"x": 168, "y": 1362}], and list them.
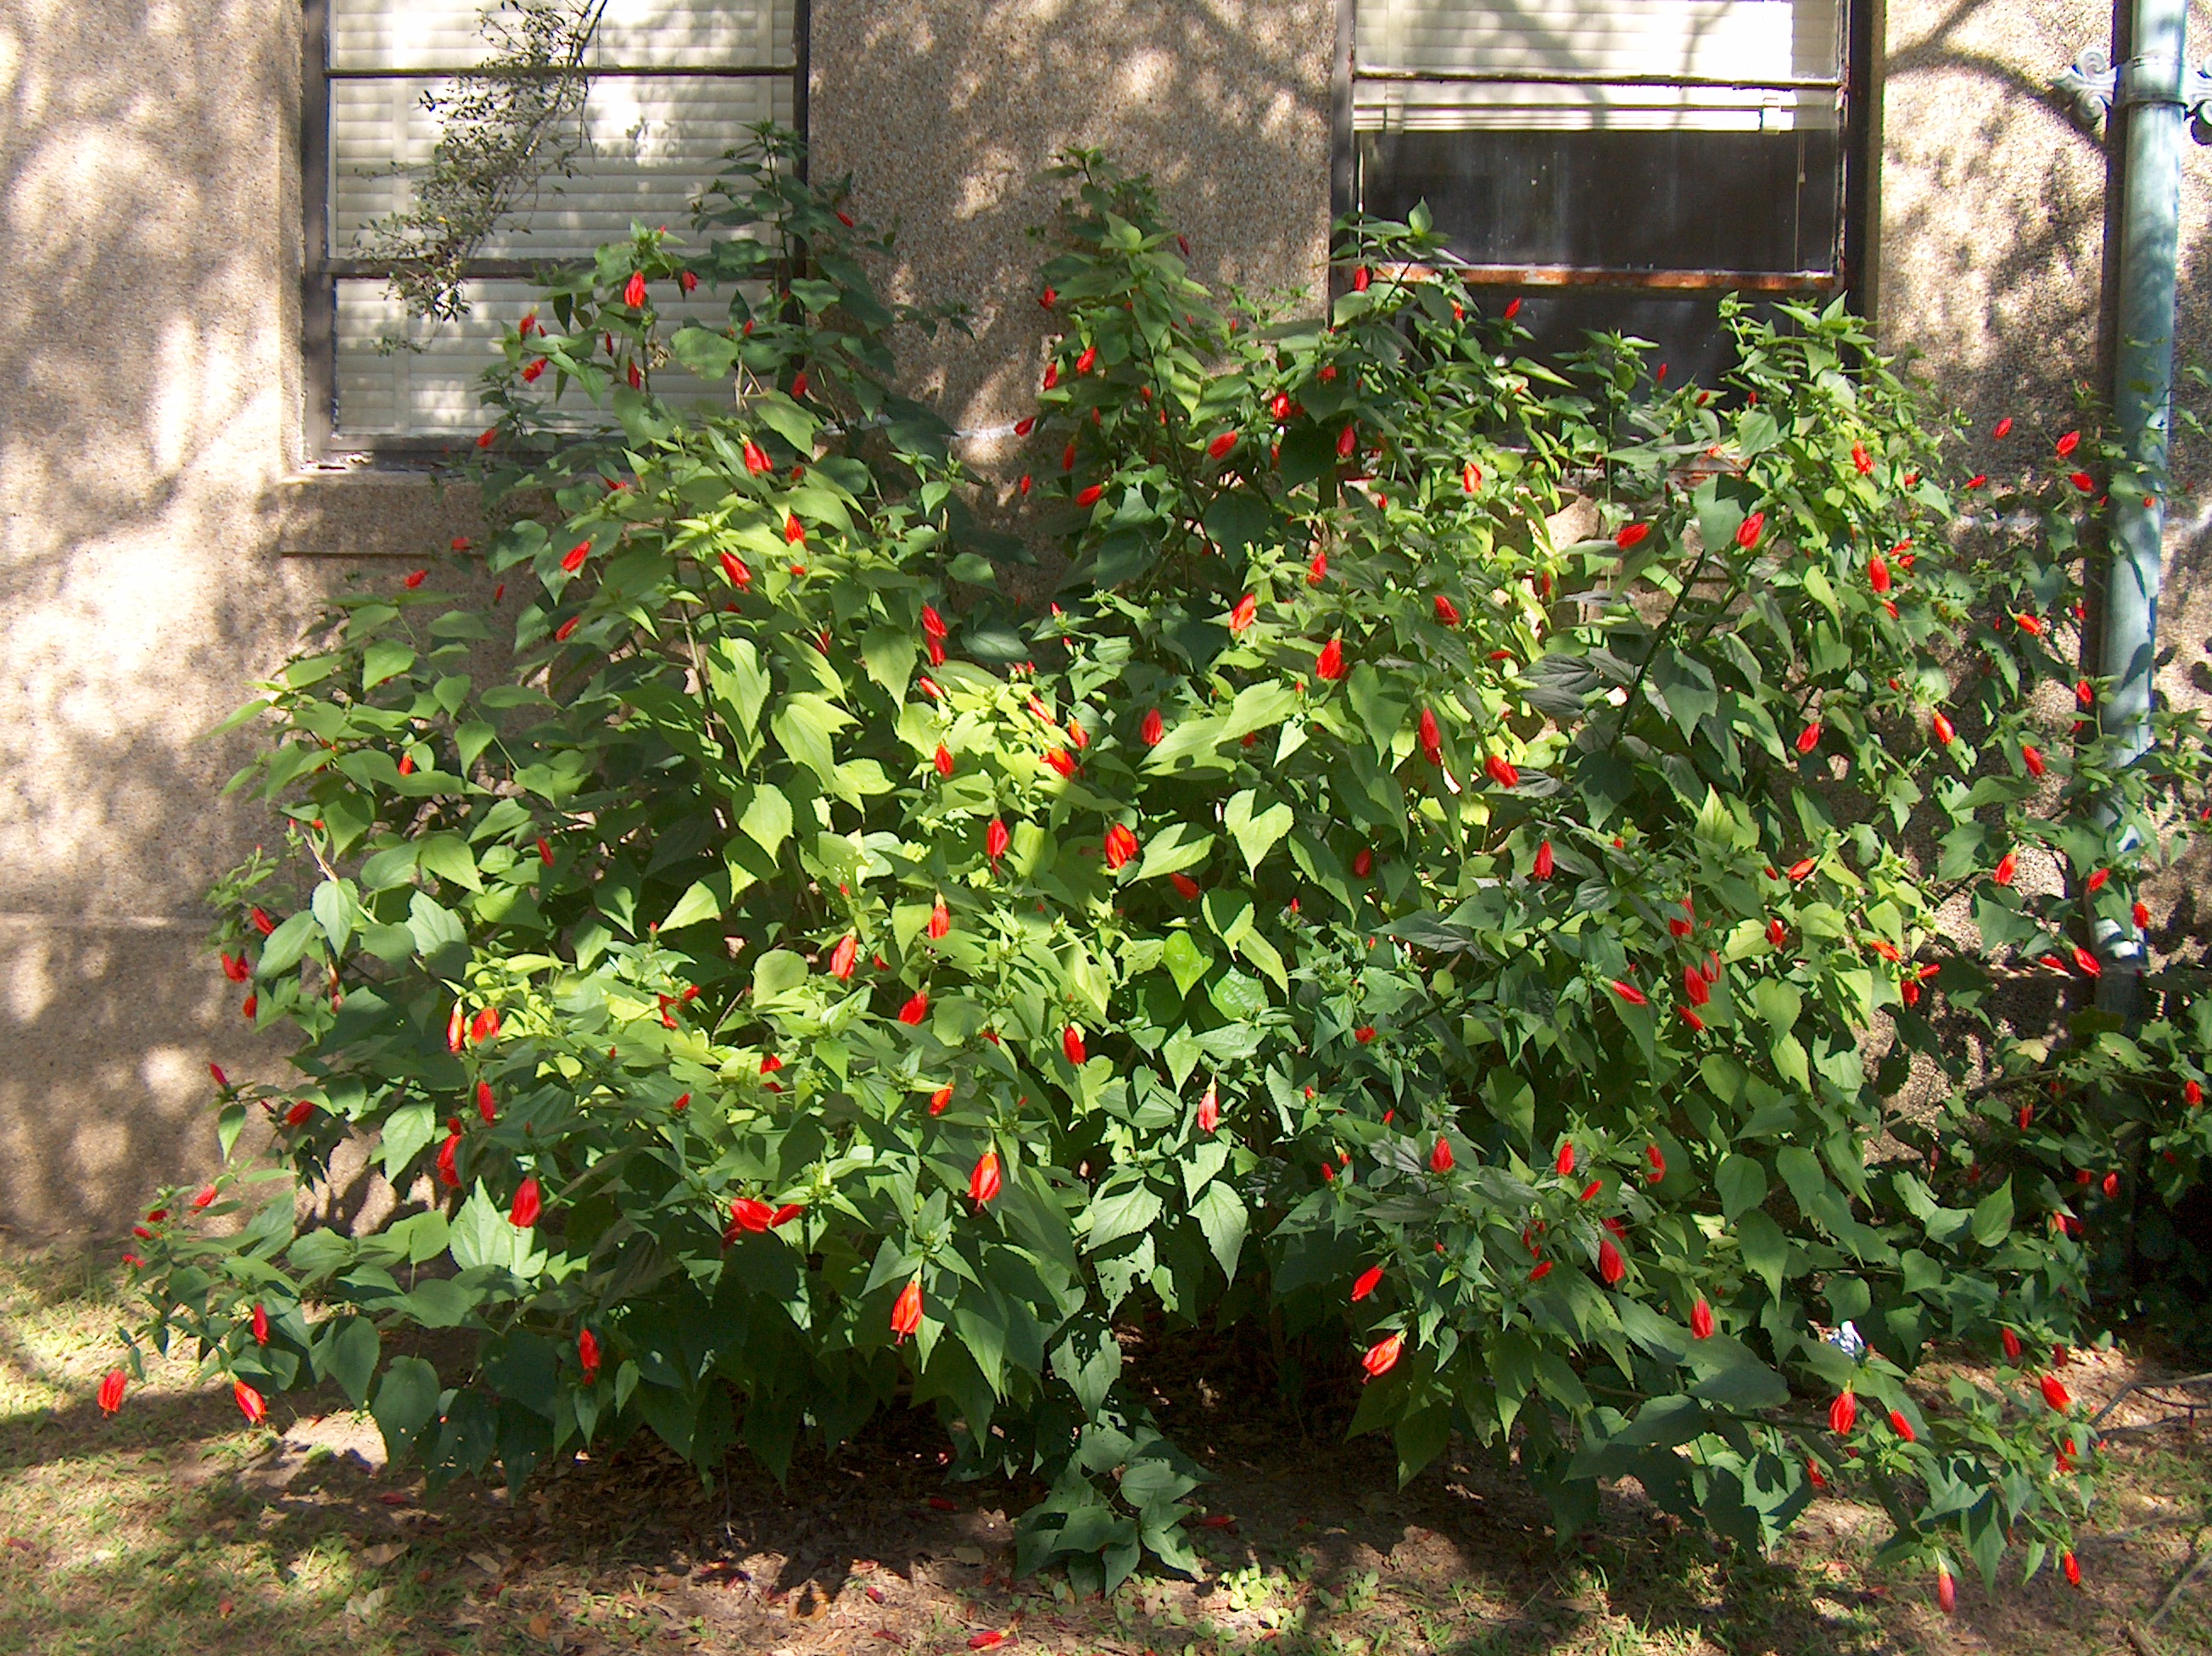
[
  {"x": 1519, "y": 65},
  {"x": 674, "y": 85}
]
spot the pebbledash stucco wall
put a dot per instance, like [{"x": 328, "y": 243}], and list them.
[{"x": 160, "y": 549}]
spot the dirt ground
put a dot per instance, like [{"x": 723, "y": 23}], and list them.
[{"x": 173, "y": 1528}]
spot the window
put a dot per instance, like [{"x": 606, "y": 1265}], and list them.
[
  {"x": 674, "y": 85},
  {"x": 1616, "y": 163}
]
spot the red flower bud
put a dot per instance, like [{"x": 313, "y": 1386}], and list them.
[
  {"x": 1088, "y": 359},
  {"x": 1369, "y": 1279},
  {"x": 1844, "y": 1414},
  {"x": 1878, "y": 573},
  {"x": 1941, "y": 727},
  {"x": 915, "y": 1009},
  {"x": 2067, "y": 444},
  {"x": 2072, "y": 1568},
  {"x": 1222, "y": 443},
  {"x": 111, "y": 1390},
  {"x": 1240, "y": 617},
  {"x": 1946, "y": 1591},
  {"x": 1701, "y": 1320},
  {"x": 1346, "y": 442},
  {"x": 996, "y": 839},
  {"x": 1209, "y": 1116},
  {"x": 250, "y": 1403},
  {"x": 1382, "y": 1357},
  {"x": 1317, "y": 571},
  {"x": 1431, "y": 737},
  {"x": 1447, "y": 611},
  {"x": 1541, "y": 869},
  {"x": 1610, "y": 1266},
  {"x": 1629, "y": 993},
  {"x": 1440, "y": 1157},
  {"x": 906, "y": 1314},
  {"x": 1329, "y": 663},
  {"x": 1121, "y": 847},
  {"x": 1470, "y": 477},
  {"x": 1861, "y": 460},
  {"x": 1748, "y": 533},
  {"x": 983, "y": 1182},
  {"x": 528, "y": 1204},
  {"x": 260, "y": 1324},
  {"x": 634, "y": 290},
  {"x": 1186, "y": 887},
  {"x": 2055, "y": 1393},
  {"x": 1364, "y": 1034}
]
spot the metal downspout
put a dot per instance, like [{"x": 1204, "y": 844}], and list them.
[{"x": 2145, "y": 219}]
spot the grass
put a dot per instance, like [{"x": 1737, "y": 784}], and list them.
[{"x": 175, "y": 1528}]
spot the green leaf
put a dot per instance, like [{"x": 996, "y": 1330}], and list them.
[
  {"x": 1993, "y": 1216},
  {"x": 1186, "y": 962},
  {"x": 406, "y": 1401},
  {"x": 347, "y": 1355},
  {"x": 766, "y": 818},
  {"x": 1741, "y": 1182},
  {"x": 286, "y": 945},
  {"x": 1222, "y": 1218},
  {"x": 1255, "y": 832},
  {"x": 406, "y": 1130}
]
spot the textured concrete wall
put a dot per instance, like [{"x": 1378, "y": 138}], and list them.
[
  {"x": 946, "y": 113},
  {"x": 148, "y": 341}
]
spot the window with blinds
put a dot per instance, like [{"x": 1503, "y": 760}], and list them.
[
  {"x": 1619, "y": 163},
  {"x": 673, "y": 86}
]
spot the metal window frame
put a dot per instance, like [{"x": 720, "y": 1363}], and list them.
[
  {"x": 321, "y": 269},
  {"x": 1849, "y": 270}
]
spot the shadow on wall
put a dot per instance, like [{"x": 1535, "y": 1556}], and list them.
[{"x": 947, "y": 112}]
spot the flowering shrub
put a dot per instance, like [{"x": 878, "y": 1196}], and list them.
[{"x": 809, "y": 981}]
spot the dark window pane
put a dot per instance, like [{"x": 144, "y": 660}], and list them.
[
  {"x": 1683, "y": 200},
  {"x": 1686, "y": 327}
]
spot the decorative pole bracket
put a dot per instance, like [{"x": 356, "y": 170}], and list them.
[{"x": 2092, "y": 88}]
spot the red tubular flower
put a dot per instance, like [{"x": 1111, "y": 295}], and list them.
[
  {"x": 1844, "y": 1413},
  {"x": 915, "y": 1009},
  {"x": 2072, "y": 1568},
  {"x": 799, "y": 383},
  {"x": 1368, "y": 1281},
  {"x": 573, "y": 559},
  {"x": 587, "y": 1355},
  {"x": 1447, "y": 611},
  {"x": 1878, "y": 573},
  {"x": 794, "y": 532},
  {"x": 262, "y": 923},
  {"x": 1470, "y": 477},
  {"x": 1382, "y": 1357},
  {"x": 1940, "y": 728},
  {"x": 1564, "y": 1162},
  {"x": 1221, "y": 445},
  {"x": 2141, "y": 915},
  {"x": 1629, "y": 993},
  {"x": 1071, "y": 1043},
  {"x": 1545, "y": 863},
  {"x": 1317, "y": 570},
  {"x": 2110, "y": 1186},
  {"x": 2086, "y": 962},
  {"x": 996, "y": 839},
  {"x": 1809, "y": 738},
  {"x": 1046, "y": 298},
  {"x": 1630, "y": 534},
  {"x": 2055, "y": 1393},
  {"x": 1656, "y": 1161},
  {"x": 485, "y": 439},
  {"x": 1610, "y": 1266},
  {"x": 484, "y": 1026},
  {"x": 1153, "y": 727},
  {"x": 1209, "y": 1110},
  {"x": 906, "y": 1314},
  {"x": 844, "y": 957},
  {"x": 1090, "y": 496},
  {"x": 1863, "y": 460},
  {"x": 1347, "y": 442},
  {"x": 2193, "y": 1092},
  {"x": 250, "y": 1403},
  {"x": 1901, "y": 1426},
  {"x": 2067, "y": 444},
  {"x": 2002, "y": 429},
  {"x": 1248, "y": 608},
  {"x": 203, "y": 1198},
  {"x": 939, "y": 1100},
  {"x": 1748, "y": 533},
  {"x": 2008, "y": 868},
  {"x": 983, "y": 1182},
  {"x": 1364, "y": 1034},
  {"x": 1701, "y": 1320},
  {"x": 1432, "y": 741},
  {"x": 1329, "y": 663},
  {"x": 449, "y": 1172},
  {"x": 2031, "y": 758},
  {"x": 1086, "y": 362},
  {"x": 567, "y": 629},
  {"x": 1694, "y": 989},
  {"x": 1543, "y": 1269},
  {"x": 1801, "y": 869},
  {"x": 2097, "y": 881},
  {"x": 1186, "y": 887},
  {"x": 940, "y": 920},
  {"x": 2082, "y": 481},
  {"x": 235, "y": 967},
  {"x": 111, "y": 1390},
  {"x": 1120, "y": 848},
  {"x": 1440, "y": 1157},
  {"x": 1512, "y": 309},
  {"x": 1946, "y": 1591},
  {"x": 1362, "y": 862},
  {"x": 943, "y": 760},
  {"x": 1777, "y": 933},
  {"x": 749, "y": 1214},
  {"x": 1061, "y": 760},
  {"x": 634, "y": 290},
  {"x": 1501, "y": 772},
  {"x": 528, "y": 1204}
]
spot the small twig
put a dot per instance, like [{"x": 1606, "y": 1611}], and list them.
[
  {"x": 2198, "y": 1562},
  {"x": 2097, "y": 1420}
]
